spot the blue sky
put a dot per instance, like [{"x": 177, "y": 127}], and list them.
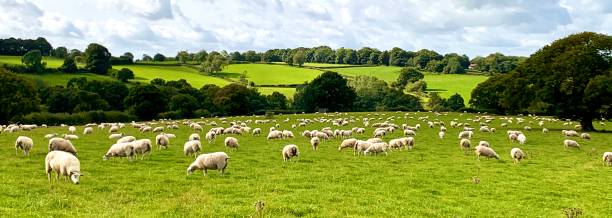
[{"x": 471, "y": 27}]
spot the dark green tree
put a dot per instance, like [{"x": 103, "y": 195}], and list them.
[
  {"x": 159, "y": 57},
  {"x": 69, "y": 66},
  {"x": 277, "y": 101},
  {"x": 60, "y": 52},
  {"x": 455, "y": 102},
  {"x": 124, "y": 74},
  {"x": 145, "y": 101},
  {"x": 184, "y": 104},
  {"x": 33, "y": 61},
  {"x": 97, "y": 59},
  {"x": 328, "y": 91},
  {"x": 408, "y": 75},
  {"x": 19, "y": 97}
]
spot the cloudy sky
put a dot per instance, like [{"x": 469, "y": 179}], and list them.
[{"x": 471, "y": 27}]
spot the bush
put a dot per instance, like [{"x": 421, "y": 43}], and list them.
[
  {"x": 74, "y": 118},
  {"x": 202, "y": 113},
  {"x": 269, "y": 114},
  {"x": 173, "y": 115},
  {"x": 124, "y": 74}
]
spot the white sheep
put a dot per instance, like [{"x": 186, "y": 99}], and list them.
[
  {"x": 25, "y": 144},
  {"x": 396, "y": 143},
  {"x": 71, "y": 129},
  {"x": 87, "y": 130},
  {"x": 570, "y": 144},
  {"x": 231, "y": 142},
  {"x": 115, "y": 136},
  {"x": 441, "y": 134},
  {"x": 210, "y": 136},
  {"x": 521, "y": 138},
  {"x": 485, "y": 151},
  {"x": 315, "y": 141},
  {"x": 211, "y": 161},
  {"x": 169, "y": 135},
  {"x": 63, "y": 163},
  {"x": 71, "y": 137},
  {"x": 257, "y": 131},
  {"x": 585, "y": 135},
  {"x": 275, "y": 134},
  {"x": 287, "y": 134},
  {"x": 142, "y": 147},
  {"x": 361, "y": 146},
  {"x": 377, "y": 148},
  {"x": 607, "y": 158},
  {"x": 484, "y": 143},
  {"x": 125, "y": 139},
  {"x": 348, "y": 143},
  {"x": 517, "y": 154},
  {"x": 379, "y": 134},
  {"x": 464, "y": 144},
  {"x": 192, "y": 147},
  {"x": 120, "y": 150},
  {"x": 569, "y": 133},
  {"x": 194, "y": 136},
  {"x": 409, "y": 142},
  {"x": 60, "y": 144},
  {"x": 50, "y": 135},
  {"x": 113, "y": 129},
  {"x": 465, "y": 135},
  {"x": 290, "y": 151},
  {"x": 158, "y": 129},
  {"x": 162, "y": 141},
  {"x": 374, "y": 140},
  {"x": 409, "y": 132},
  {"x": 544, "y": 130}
]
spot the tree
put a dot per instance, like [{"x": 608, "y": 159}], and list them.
[
  {"x": 298, "y": 58},
  {"x": 159, "y": 57},
  {"x": 214, "y": 63},
  {"x": 408, "y": 75},
  {"x": 145, "y": 101},
  {"x": 236, "y": 99},
  {"x": 370, "y": 92},
  {"x": 252, "y": 56},
  {"x": 182, "y": 56},
  {"x": 184, "y": 104},
  {"x": 19, "y": 97},
  {"x": 384, "y": 58},
  {"x": 60, "y": 52},
  {"x": 69, "y": 66},
  {"x": 277, "y": 101},
  {"x": 146, "y": 57},
  {"x": 124, "y": 74},
  {"x": 328, "y": 91},
  {"x": 97, "y": 59},
  {"x": 129, "y": 56},
  {"x": 455, "y": 102},
  {"x": 33, "y": 61},
  {"x": 453, "y": 66}
]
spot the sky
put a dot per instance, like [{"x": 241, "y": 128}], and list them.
[{"x": 472, "y": 27}]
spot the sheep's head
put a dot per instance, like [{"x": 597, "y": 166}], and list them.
[
  {"x": 74, "y": 176},
  {"x": 105, "y": 157},
  {"x": 190, "y": 170}
]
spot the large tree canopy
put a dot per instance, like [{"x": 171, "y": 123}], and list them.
[
  {"x": 569, "y": 79},
  {"x": 19, "y": 96},
  {"x": 97, "y": 59},
  {"x": 329, "y": 90}
]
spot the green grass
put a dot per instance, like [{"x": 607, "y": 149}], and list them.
[
  {"x": 386, "y": 73},
  {"x": 323, "y": 65},
  {"x": 62, "y": 79},
  {"x": 52, "y": 62},
  {"x": 146, "y": 73},
  {"x": 270, "y": 74},
  {"x": 449, "y": 84},
  {"x": 433, "y": 180},
  {"x": 288, "y": 92}
]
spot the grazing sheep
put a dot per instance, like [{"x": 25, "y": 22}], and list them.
[
  {"x": 517, "y": 155},
  {"x": 87, "y": 130},
  {"x": 211, "y": 161},
  {"x": 585, "y": 136},
  {"x": 484, "y": 143},
  {"x": 125, "y": 139},
  {"x": 377, "y": 148},
  {"x": 409, "y": 132},
  {"x": 441, "y": 134},
  {"x": 169, "y": 135},
  {"x": 194, "y": 136},
  {"x": 396, "y": 143},
  {"x": 287, "y": 134},
  {"x": 347, "y": 143},
  {"x": 607, "y": 158},
  {"x": 115, "y": 136},
  {"x": 113, "y": 129},
  {"x": 442, "y": 129},
  {"x": 569, "y": 133},
  {"x": 231, "y": 142},
  {"x": 321, "y": 135},
  {"x": 64, "y": 164},
  {"x": 25, "y": 144},
  {"x": 71, "y": 137},
  {"x": 192, "y": 147},
  {"x": 275, "y": 134},
  {"x": 50, "y": 135},
  {"x": 408, "y": 142},
  {"x": 379, "y": 134},
  {"x": 485, "y": 151},
  {"x": 544, "y": 130},
  {"x": 375, "y": 140},
  {"x": 60, "y": 144},
  {"x": 570, "y": 144},
  {"x": 162, "y": 141},
  {"x": 522, "y": 139},
  {"x": 71, "y": 129},
  {"x": 142, "y": 146},
  {"x": 257, "y": 131},
  {"x": 158, "y": 129},
  {"x": 465, "y": 135},
  {"x": 361, "y": 146},
  {"x": 120, "y": 150},
  {"x": 464, "y": 144},
  {"x": 513, "y": 137},
  {"x": 315, "y": 141},
  {"x": 290, "y": 151},
  {"x": 210, "y": 137}
]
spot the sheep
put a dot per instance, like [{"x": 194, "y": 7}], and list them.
[
  {"x": 377, "y": 148},
  {"x": 115, "y": 136},
  {"x": 408, "y": 142},
  {"x": 113, "y": 129},
  {"x": 517, "y": 155},
  {"x": 194, "y": 136},
  {"x": 361, "y": 146},
  {"x": 257, "y": 131},
  {"x": 441, "y": 134},
  {"x": 192, "y": 147},
  {"x": 211, "y": 161},
  {"x": 60, "y": 144},
  {"x": 169, "y": 135},
  {"x": 347, "y": 143},
  {"x": 125, "y": 149},
  {"x": 289, "y": 152},
  {"x": 544, "y": 130},
  {"x": 70, "y": 137},
  {"x": 162, "y": 141},
  {"x": 126, "y": 139},
  {"x": 375, "y": 140},
  {"x": 87, "y": 130},
  {"x": 464, "y": 144},
  {"x": 379, "y": 134},
  {"x": 231, "y": 142},
  {"x": 287, "y": 134},
  {"x": 275, "y": 134},
  {"x": 585, "y": 136},
  {"x": 210, "y": 137},
  {"x": 607, "y": 158},
  {"x": 484, "y": 143},
  {"x": 396, "y": 143},
  {"x": 442, "y": 129},
  {"x": 409, "y": 133},
  {"x": 465, "y": 135},
  {"x": 321, "y": 135},
  {"x": 522, "y": 139},
  {"x": 158, "y": 129},
  {"x": 50, "y": 135},
  {"x": 24, "y": 143},
  {"x": 569, "y": 133},
  {"x": 63, "y": 163},
  {"x": 485, "y": 151},
  {"x": 142, "y": 146},
  {"x": 71, "y": 129},
  {"x": 513, "y": 137},
  {"x": 197, "y": 127},
  {"x": 570, "y": 144},
  {"x": 315, "y": 141}
]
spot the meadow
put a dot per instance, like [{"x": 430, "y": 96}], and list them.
[{"x": 435, "y": 179}]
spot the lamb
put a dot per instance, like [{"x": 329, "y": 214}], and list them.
[
  {"x": 570, "y": 144},
  {"x": 50, "y": 135},
  {"x": 162, "y": 141},
  {"x": 71, "y": 129},
  {"x": 120, "y": 150},
  {"x": 408, "y": 142},
  {"x": 484, "y": 143},
  {"x": 63, "y": 163},
  {"x": 231, "y": 142},
  {"x": 194, "y": 136},
  {"x": 522, "y": 139},
  {"x": 607, "y": 158},
  {"x": 211, "y": 161},
  {"x": 87, "y": 130},
  {"x": 192, "y": 147},
  {"x": 347, "y": 143},
  {"x": 115, "y": 136},
  {"x": 210, "y": 137},
  {"x": 275, "y": 134},
  {"x": 517, "y": 155},
  {"x": 290, "y": 151},
  {"x": 441, "y": 134},
  {"x": 257, "y": 131},
  {"x": 464, "y": 144},
  {"x": 60, "y": 144},
  {"x": 126, "y": 139},
  {"x": 585, "y": 136},
  {"x": 70, "y": 137},
  {"x": 377, "y": 148},
  {"x": 24, "y": 143},
  {"x": 142, "y": 146},
  {"x": 315, "y": 141},
  {"x": 485, "y": 151},
  {"x": 287, "y": 134}
]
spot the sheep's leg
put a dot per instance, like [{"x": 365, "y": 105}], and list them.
[
  {"x": 204, "y": 172},
  {"x": 49, "y": 176}
]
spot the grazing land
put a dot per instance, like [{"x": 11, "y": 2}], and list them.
[{"x": 435, "y": 179}]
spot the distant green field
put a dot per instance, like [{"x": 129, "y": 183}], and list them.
[
  {"x": 449, "y": 84},
  {"x": 326, "y": 65},
  {"x": 288, "y": 92},
  {"x": 386, "y": 73},
  {"x": 271, "y": 74},
  {"x": 53, "y": 79},
  {"x": 146, "y": 73},
  {"x": 51, "y": 61}
]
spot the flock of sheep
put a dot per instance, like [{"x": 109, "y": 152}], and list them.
[{"x": 62, "y": 154}]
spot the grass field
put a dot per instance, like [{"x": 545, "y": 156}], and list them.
[
  {"x": 288, "y": 92},
  {"x": 271, "y": 74},
  {"x": 51, "y": 61},
  {"x": 53, "y": 79},
  {"x": 323, "y": 65},
  {"x": 146, "y": 73},
  {"x": 433, "y": 180}
]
